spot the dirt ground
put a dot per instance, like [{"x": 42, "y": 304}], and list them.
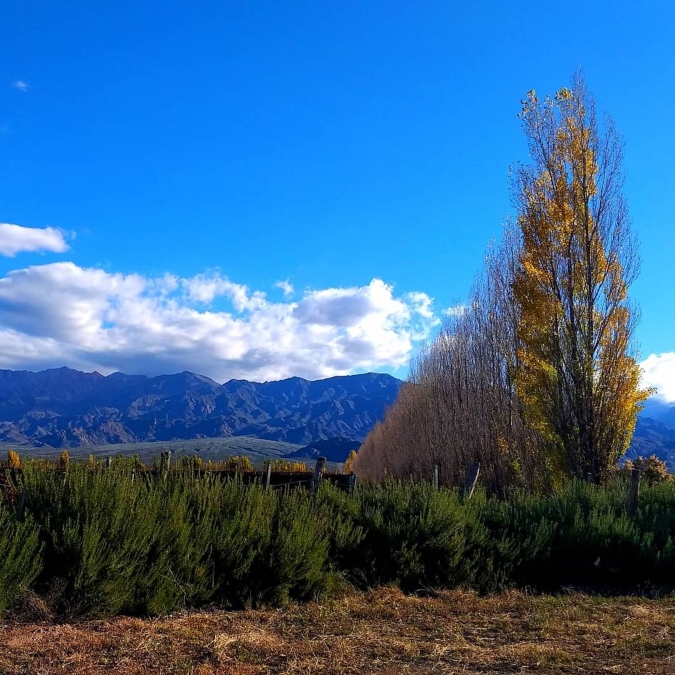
[{"x": 382, "y": 631}]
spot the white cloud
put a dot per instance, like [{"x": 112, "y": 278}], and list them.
[
  {"x": 21, "y": 85},
  {"x": 658, "y": 370},
  {"x": 62, "y": 314},
  {"x": 17, "y": 239},
  {"x": 286, "y": 287},
  {"x": 455, "y": 311}
]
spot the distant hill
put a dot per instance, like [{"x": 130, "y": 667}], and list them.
[
  {"x": 333, "y": 449},
  {"x": 655, "y": 432},
  {"x": 659, "y": 410},
  {"x": 68, "y": 408}
]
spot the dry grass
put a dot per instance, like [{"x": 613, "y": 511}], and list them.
[{"x": 379, "y": 632}]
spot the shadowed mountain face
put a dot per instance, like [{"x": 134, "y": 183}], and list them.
[
  {"x": 67, "y": 408},
  {"x": 333, "y": 449},
  {"x": 655, "y": 432}
]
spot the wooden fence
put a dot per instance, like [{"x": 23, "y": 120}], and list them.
[{"x": 309, "y": 480}]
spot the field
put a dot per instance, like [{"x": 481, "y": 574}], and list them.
[
  {"x": 382, "y": 631},
  {"x": 216, "y": 449}
]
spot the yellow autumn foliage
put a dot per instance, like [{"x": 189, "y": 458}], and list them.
[
  {"x": 349, "y": 462},
  {"x": 289, "y": 465},
  {"x": 13, "y": 459},
  {"x": 239, "y": 463},
  {"x": 576, "y": 375}
]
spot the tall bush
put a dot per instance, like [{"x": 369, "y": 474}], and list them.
[{"x": 20, "y": 557}]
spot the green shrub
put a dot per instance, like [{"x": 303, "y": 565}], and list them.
[
  {"x": 298, "y": 556},
  {"x": 412, "y": 535},
  {"x": 239, "y": 519},
  {"x": 99, "y": 527},
  {"x": 118, "y": 540},
  {"x": 20, "y": 557}
]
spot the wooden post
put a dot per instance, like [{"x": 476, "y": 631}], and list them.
[
  {"x": 633, "y": 492},
  {"x": 435, "y": 476},
  {"x": 108, "y": 460},
  {"x": 22, "y": 506},
  {"x": 268, "y": 476},
  {"x": 352, "y": 483},
  {"x": 471, "y": 479},
  {"x": 165, "y": 462},
  {"x": 318, "y": 468}
]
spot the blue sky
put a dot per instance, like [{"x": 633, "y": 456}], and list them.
[{"x": 194, "y": 155}]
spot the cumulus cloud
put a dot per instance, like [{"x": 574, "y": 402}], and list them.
[
  {"x": 63, "y": 314},
  {"x": 21, "y": 85},
  {"x": 17, "y": 239},
  {"x": 658, "y": 371},
  {"x": 286, "y": 287},
  {"x": 205, "y": 288}
]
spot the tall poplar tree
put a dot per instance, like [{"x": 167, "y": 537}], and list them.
[{"x": 576, "y": 376}]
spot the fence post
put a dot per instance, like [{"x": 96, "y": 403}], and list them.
[
  {"x": 471, "y": 479},
  {"x": 633, "y": 492},
  {"x": 268, "y": 476},
  {"x": 165, "y": 462},
  {"x": 435, "y": 476},
  {"x": 352, "y": 483},
  {"x": 107, "y": 462},
  {"x": 320, "y": 463},
  {"x": 22, "y": 505}
]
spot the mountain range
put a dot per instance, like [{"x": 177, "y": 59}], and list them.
[
  {"x": 655, "y": 432},
  {"x": 68, "y": 408}
]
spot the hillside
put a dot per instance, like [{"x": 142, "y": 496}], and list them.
[
  {"x": 655, "y": 432},
  {"x": 258, "y": 450},
  {"x": 68, "y": 408},
  {"x": 333, "y": 449}
]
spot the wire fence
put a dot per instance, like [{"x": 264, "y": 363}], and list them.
[{"x": 10, "y": 476}]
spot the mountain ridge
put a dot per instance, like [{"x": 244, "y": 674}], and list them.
[
  {"x": 66, "y": 408},
  {"x": 63, "y": 407}
]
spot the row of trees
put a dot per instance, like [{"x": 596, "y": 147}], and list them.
[{"x": 536, "y": 377}]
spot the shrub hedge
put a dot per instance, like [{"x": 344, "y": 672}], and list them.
[{"x": 107, "y": 541}]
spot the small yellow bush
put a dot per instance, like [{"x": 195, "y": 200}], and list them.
[
  {"x": 349, "y": 462},
  {"x": 288, "y": 465},
  {"x": 236, "y": 463},
  {"x": 64, "y": 459},
  {"x": 14, "y": 459},
  {"x": 653, "y": 469}
]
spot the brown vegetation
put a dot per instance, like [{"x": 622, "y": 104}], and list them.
[
  {"x": 460, "y": 404},
  {"x": 652, "y": 469},
  {"x": 380, "y": 632}
]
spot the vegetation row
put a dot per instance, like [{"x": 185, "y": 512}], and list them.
[
  {"x": 107, "y": 542},
  {"x": 535, "y": 376}
]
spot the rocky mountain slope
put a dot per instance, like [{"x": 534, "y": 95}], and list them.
[
  {"x": 67, "y": 408},
  {"x": 655, "y": 432}
]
